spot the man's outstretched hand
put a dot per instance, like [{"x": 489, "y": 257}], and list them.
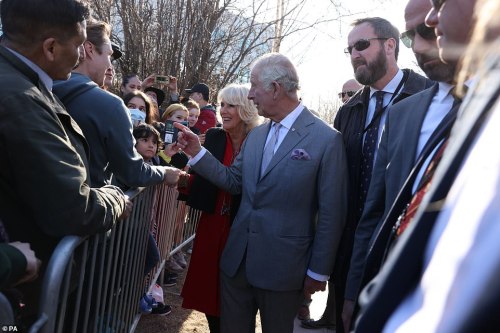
[{"x": 187, "y": 140}]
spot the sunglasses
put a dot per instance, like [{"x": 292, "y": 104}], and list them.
[
  {"x": 362, "y": 44},
  {"x": 408, "y": 37},
  {"x": 437, "y": 4},
  {"x": 348, "y": 93}
]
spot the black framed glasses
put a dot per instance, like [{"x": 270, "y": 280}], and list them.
[
  {"x": 408, "y": 37},
  {"x": 362, "y": 44},
  {"x": 437, "y": 4},
  {"x": 348, "y": 93}
]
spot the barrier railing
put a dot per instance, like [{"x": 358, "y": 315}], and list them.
[{"x": 94, "y": 284}]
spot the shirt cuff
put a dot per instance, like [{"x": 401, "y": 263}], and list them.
[
  {"x": 317, "y": 277},
  {"x": 193, "y": 160}
]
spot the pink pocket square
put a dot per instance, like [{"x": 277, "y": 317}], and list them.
[{"x": 300, "y": 154}]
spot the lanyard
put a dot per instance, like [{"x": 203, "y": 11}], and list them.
[{"x": 381, "y": 111}]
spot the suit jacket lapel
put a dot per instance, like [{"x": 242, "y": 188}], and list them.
[
  {"x": 295, "y": 134},
  {"x": 413, "y": 132},
  {"x": 380, "y": 243}
]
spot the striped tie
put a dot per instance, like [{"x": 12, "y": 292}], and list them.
[{"x": 271, "y": 145}]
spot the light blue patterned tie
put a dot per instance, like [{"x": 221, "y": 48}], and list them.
[{"x": 269, "y": 149}]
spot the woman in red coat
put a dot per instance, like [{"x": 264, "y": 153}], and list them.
[{"x": 201, "y": 290}]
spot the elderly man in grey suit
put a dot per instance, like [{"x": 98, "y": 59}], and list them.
[{"x": 292, "y": 175}]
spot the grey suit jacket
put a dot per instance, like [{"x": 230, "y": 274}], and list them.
[
  {"x": 395, "y": 160},
  {"x": 290, "y": 218}
]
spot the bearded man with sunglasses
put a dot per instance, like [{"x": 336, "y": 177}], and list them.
[
  {"x": 413, "y": 130},
  {"x": 409, "y": 133},
  {"x": 373, "y": 45}
]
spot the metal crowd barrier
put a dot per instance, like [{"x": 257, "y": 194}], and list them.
[{"x": 94, "y": 284}]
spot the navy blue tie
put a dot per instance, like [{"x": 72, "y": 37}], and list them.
[{"x": 369, "y": 148}]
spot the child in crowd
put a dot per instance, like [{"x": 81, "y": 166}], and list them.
[
  {"x": 194, "y": 114},
  {"x": 176, "y": 113},
  {"x": 147, "y": 142}
]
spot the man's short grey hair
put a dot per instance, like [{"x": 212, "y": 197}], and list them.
[{"x": 277, "y": 67}]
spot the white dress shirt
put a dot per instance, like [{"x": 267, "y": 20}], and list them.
[
  {"x": 286, "y": 125},
  {"x": 440, "y": 106}
]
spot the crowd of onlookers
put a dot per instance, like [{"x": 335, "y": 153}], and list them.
[{"x": 393, "y": 206}]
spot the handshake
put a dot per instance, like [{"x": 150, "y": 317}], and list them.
[{"x": 175, "y": 177}]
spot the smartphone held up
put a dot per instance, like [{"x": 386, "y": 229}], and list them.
[
  {"x": 162, "y": 79},
  {"x": 171, "y": 131}
]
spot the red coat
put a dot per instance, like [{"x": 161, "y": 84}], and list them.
[
  {"x": 206, "y": 119},
  {"x": 201, "y": 289}
]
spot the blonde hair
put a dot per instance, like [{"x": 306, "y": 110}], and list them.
[
  {"x": 237, "y": 94},
  {"x": 172, "y": 109},
  {"x": 484, "y": 41}
]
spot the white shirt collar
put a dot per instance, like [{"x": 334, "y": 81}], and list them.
[
  {"x": 392, "y": 85},
  {"x": 443, "y": 91},
  {"x": 288, "y": 121}
]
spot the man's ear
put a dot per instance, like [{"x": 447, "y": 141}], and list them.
[
  {"x": 277, "y": 90},
  {"x": 49, "y": 46},
  {"x": 89, "y": 49},
  {"x": 390, "y": 46}
]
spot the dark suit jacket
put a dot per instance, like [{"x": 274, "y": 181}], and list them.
[
  {"x": 350, "y": 121},
  {"x": 403, "y": 268},
  {"x": 395, "y": 159},
  {"x": 383, "y": 238}
]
